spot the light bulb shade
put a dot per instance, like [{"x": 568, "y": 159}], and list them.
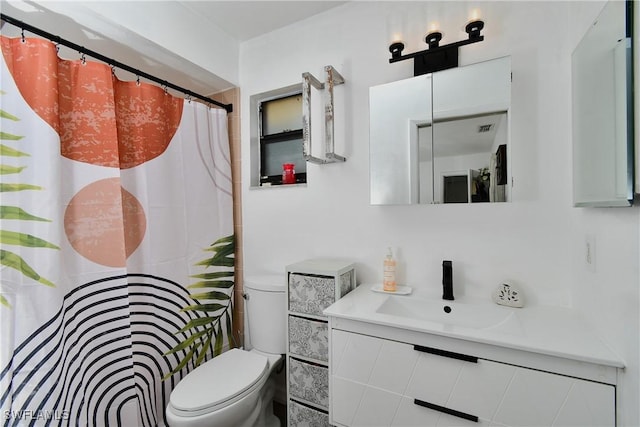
[
  {"x": 474, "y": 28},
  {"x": 433, "y": 39},
  {"x": 396, "y": 49}
]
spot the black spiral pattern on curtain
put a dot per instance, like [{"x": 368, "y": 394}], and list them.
[{"x": 103, "y": 349}]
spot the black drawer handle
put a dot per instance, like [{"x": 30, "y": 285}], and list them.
[
  {"x": 446, "y": 410},
  {"x": 445, "y": 353}
]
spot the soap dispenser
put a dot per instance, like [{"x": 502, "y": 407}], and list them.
[{"x": 389, "y": 273}]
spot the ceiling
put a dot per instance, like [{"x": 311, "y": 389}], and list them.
[
  {"x": 460, "y": 137},
  {"x": 463, "y": 136},
  {"x": 244, "y": 20}
]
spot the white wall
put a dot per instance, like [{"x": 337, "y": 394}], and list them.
[
  {"x": 609, "y": 294},
  {"x": 536, "y": 242},
  {"x": 488, "y": 244}
]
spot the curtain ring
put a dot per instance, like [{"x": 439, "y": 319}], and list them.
[
  {"x": 113, "y": 70},
  {"x": 22, "y": 39},
  {"x": 83, "y": 58},
  {"x": 57, "y": 47},
  {"x": 189, "y": 98},
  {"x": 137, "y": 80},
  {"x": 166, "y": 90}
]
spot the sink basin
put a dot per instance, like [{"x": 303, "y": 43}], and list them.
[{"x": 467, "y": 315}]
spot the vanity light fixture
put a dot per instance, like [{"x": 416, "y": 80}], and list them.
[{"x": 436, "y": 57}]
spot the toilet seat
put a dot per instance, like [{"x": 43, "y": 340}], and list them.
[{"x": 219, "y": 382}]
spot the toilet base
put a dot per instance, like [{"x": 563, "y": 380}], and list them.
[{"x": 267, "y": 417}]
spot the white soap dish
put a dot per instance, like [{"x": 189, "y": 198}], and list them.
[
  {"x": 400, "y": 290},
  {"x": 508, "y": 295}
]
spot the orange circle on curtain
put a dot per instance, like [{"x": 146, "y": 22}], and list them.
[{"x": 105, "y": 223}]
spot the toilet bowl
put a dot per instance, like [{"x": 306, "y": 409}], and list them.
[{"x": 235, "y": 388}]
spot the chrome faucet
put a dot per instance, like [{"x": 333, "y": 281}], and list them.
[{"x": 447, "y": 280}]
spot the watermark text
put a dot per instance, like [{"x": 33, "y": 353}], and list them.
[{"x": 41, "y": 414}]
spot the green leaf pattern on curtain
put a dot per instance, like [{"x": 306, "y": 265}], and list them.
[
  {"x": 14, "y": 213},
  {"x": 217, "y": 290}
]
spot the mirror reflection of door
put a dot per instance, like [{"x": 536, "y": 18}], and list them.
[
  {"x": 455, "y": 189},
  {"x": 475, "y": 147},
  {"x": 421, "y": 139},
  {"x": 471, "y": 129}
]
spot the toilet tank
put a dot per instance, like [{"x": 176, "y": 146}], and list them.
[{"x": 266, "y": 312}]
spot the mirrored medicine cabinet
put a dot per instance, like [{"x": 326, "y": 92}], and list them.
[
  {"x": 602, "y": 110},
  {"x": 442, "y": 137}
]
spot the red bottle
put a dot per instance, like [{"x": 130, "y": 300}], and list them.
[{"x": 288, "y": 173}]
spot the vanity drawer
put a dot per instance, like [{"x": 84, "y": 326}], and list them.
[
  {"x": 457, "y": 382},
  {"x": 440, "y": 383},
  {"x": 312, "y": 293},
  {"x": 305, "y": 416},
  {"x": 309, "y": 382},
  {"x": 376, "y": 407},
  {"x": 308, "y": 338},
  {"x": 507, "y": 394}
]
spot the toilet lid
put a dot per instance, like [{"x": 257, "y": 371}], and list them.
[{"x": 219, "y": 380}]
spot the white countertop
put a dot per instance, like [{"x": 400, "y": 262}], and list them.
[{"x": 553, "y": 331}]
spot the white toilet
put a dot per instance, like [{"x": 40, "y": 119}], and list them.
[{"x": 234, "y": 389}]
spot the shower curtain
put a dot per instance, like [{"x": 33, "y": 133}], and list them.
[{"x": 116, "y": 241}]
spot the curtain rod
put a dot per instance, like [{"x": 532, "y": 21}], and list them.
[{"x": 110, "y": 61}]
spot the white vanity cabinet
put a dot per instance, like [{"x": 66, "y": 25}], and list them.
[
  {"x": 380, "y": 381},
  {"x": 313, "y": 285}
]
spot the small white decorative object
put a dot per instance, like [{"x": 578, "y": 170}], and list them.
[{"x": 508, "y": 295}]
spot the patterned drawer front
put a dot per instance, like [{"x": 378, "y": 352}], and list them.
[
  {"x": 309, "y": 382},
  {"x": 347, "y": 282},
  {"x": 304, "y": 416},
  {"x": 308, "y": 338},
  {"x": 310, "y": 294}
]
